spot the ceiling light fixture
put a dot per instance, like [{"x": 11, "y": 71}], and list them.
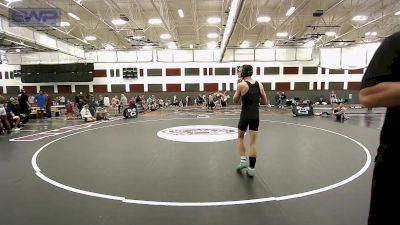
[
  {"x": 137, "y": 37},
  {"x": 212, "y": 35},
  {"x": 155, "y": 21},
  {"x": 11, "y": 1},
  {"x": 213, "y": 20},
  {"x": 360, "y": 18},
  {"x": 90, "y": 38},
  {"x": 371, "y": 33},
  {"x": 73, "y": 16},
  {"x": 290, "y": 11},
  {"x": 245, "y": 44},
  {"x": 282, "y": 34},
  {"x": 263, "y": 19},
  {"x": 65, "y": 24},
  {"x": 330, "y": 33},
  {"x": 397, "y": 13},
  {"x": 108, "y": 47},
  {"x": 172, "y": 45},
  {"x": 269, "y": 44},
  {"x": 118, "y": 22},
  {"x": 78, "y": 2},
  {"x": 191, "y": 46},
  {"x": 165, "y": 36},
  {"x": 180, "y": 12},
  {"x": 18, "y": 50},
  {"x": 212, "y": 45},
  {"x": 309, "y": 44}
]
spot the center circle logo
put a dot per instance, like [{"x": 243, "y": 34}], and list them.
[{"x": 199, "y": 133}]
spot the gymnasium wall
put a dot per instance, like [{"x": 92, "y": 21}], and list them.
[{"x": 297, "y": 78}]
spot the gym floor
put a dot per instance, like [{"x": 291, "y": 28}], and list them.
[{"x": 310, "y": 170}]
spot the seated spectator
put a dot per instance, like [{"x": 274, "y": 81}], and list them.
[
  {"x": 132, "y": 102},
  {"x": 70, "y": 113},
  {"x": 340, "y": 112},
  {"x": 321, "y": 101},
  {"x": 17, "y": 110},
  {"x": 3, "y": 117},
  {"x": 86, "y": 115},
  {"x": 333, "y": 98},
  {"x": 13, "y": 119}
]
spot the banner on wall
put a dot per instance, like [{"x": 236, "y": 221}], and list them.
[{"x": 354, "y": 57}]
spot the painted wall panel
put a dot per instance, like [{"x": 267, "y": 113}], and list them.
[{"x": 174, "y": 87}]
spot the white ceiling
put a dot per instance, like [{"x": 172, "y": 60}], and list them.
[{"x": 96, "y": 17}]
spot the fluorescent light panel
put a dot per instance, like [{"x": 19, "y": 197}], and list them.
[
  {"x": 371, "y": 33},
  {"x": 108, "y": 47},
  {"x": 172, "y": 45},
  {"x": 137, "y": 37},
  {"x": 397, "y": 13},
  {"x": 90, "y": 38},
  {"x": 181, "y": 14},
  {"x": 74, "y": 16},
  {"x": 212, "y": 44},
  {"x": 155, "y": 21},
  {"x": 290, "y": 11},
  {"x": 263, "y": 19},
  {"x": 282, "y": 34},
  {"x": 330, "y": 33},
  {"x": 65, "y": 24},
  {"x": 213, "y": 20},
  {"x": 165, "y": 36},
  {"x": 118, "y": 22},
  {"x": 269, "y": 44},
  {"x": 360, "y": 18},
  {"x": 245, "y": 44},
  {"x": 212, "y": 35}
]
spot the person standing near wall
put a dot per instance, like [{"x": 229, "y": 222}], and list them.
[
  {"x": 380, "y": 87},
  {"x": 250, "y": 91}
]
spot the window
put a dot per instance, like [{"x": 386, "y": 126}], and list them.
[
  {"x": 117, "y": 72},
  {"x": 111, "y": 73},
  {"x": 6, "y": 75}
]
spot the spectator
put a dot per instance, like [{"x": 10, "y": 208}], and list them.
[
  {"x": 17, "y": 110},
  {"x": 13, "y": 119},
  {"x": 333, "y": 97},
  {"x": 124, "y": 103},
  {"x": 49, "y": 103},
  {"x": 86, "y": 115},
  {"x": 70, "y": 110},
  {"x": 24, "y": 102},
  {"x": 62, "y": 100},
  {"x": 340, "y": 112},
  {"x": 3, "y": 116},
  {"x": 277, "y": 98},
  {"x": 40, "y": 100},
  {"x": 31, "y": 100}
]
